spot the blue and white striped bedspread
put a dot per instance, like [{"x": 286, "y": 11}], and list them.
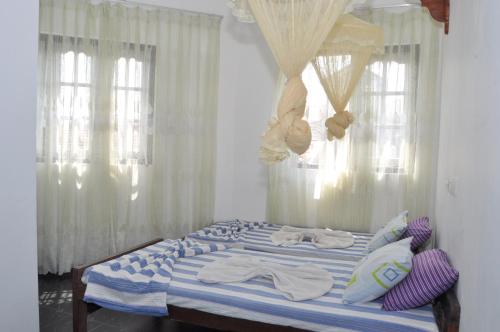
[
  {"x": 258, "y": 300},
  {"x": 138, "y": 282},
  {"x": 226, "y": 231},
  {"x": 258, "y": 238}
]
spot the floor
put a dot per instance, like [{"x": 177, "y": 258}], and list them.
[{"x": 56, "y": 313}]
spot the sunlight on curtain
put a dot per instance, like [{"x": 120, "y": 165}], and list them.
[
  {"x": 386, "y": 161},
  {"x": 126, "y": 134}
]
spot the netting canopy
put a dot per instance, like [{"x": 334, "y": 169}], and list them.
[
  {"x": 341, "y": 61},
  {"x": 294, "y": 30}
]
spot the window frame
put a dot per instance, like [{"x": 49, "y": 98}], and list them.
[
  {"x": 147, "y": 157},
  {"x": 412, "y": 74}
]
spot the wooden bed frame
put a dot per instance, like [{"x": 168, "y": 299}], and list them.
[{"x": 446, "y": 309}]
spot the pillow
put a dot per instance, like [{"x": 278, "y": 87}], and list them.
[
  {"x": 431, "y": 276},
  {"x": 421, "y": 231},
  {"x": 379, "y": 272},
  {"x": 390, "y": 232}
]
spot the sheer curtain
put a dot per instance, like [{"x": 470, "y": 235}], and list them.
[
  {"x": 126, "y": 127},
  {"x": 386, "y": 161}
]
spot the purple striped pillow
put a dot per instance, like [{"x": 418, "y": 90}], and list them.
[
  {"x": 431, "y": 275},
  {"x": 421, "y": 231}
]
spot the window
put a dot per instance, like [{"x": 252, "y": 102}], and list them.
[
  {"x": 390, "y": 83},
  {"x": 391, "y": 90},
  {"x": 73, "y": 108},
  {"x": 133, "y": 96},
  {"x": 72, "y": 114}
]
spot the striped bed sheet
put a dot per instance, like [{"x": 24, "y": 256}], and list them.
[
  {"x": 258, "y": 300},
  {"x": 259, "y": 239}
]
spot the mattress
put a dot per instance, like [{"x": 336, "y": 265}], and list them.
[
  {"x": 259, "y": 239},
  {"x": 258, "y": 300}
]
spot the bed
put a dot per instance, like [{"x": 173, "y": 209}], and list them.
[
  {"x": 256, "y": 305},
  {"x": 258, "y": 238}
]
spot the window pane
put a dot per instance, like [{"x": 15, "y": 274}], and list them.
[
  {"x": 72, "y": 113},
  {"x": 377, "y": 106},
  {"x": 134, "y": 73},
  {"x": 392, "y": 107},
  {"x": 128, "y": 124},
  {"x": 393, "y": 111},
  {"x": 121, "y": 106},
  {"x": 120, "y": 72},
  {"x": 82, "y": 118},
  {"x": 73, "y": 120},
  {"x": 389, "y": 146},
  {"x": 396, "y": 76},
  {"x": 68, "y": 67},
  {"x": 84, "y": 68},
  {"x": 133, "y": 112},
  {"x": 134, "y": 118},
  {"x": 65, "y": 102},
  {"x": 134, "y": 105},
  {"x": 378, "y": 77}
]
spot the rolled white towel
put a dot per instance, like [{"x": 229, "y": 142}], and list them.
[
  {"x": 286, "y": 239},
  {"x": 333, "y": 239},
  {"x": 321, "y": 238}
]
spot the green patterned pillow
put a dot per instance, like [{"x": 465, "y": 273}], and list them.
[
  {"x": 379, "y": 272},
  {"x": 391, "y": 232}
]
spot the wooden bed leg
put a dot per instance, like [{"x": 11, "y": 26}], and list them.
[
  {"x": 447, "y": 312},
  {"x": 80, "y": 310}
]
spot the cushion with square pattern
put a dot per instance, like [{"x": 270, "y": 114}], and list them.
[{"x": 379, "y": 271}]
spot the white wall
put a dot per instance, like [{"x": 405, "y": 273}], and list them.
[
  {"x": 247, "y": 81},
  {"x": 18, "y": 285},
  {"x": 468, "y": 222}
]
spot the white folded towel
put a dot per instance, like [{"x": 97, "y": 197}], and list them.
[
  {"x": 321, "y": 238},
  {"x": 299, "y": 283}
]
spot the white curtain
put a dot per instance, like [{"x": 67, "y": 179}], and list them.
[
  {"x": 386, "y": 161},
  {"x": 126, "y": 127}
]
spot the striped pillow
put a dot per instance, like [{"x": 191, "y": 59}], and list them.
[
  {"x": 430, "y": 276},
  {"x": 421, "y": 231},
  {"x": 391, "y": 232}
]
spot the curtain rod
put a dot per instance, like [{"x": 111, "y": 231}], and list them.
[{"x": 155, "y": 6}]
